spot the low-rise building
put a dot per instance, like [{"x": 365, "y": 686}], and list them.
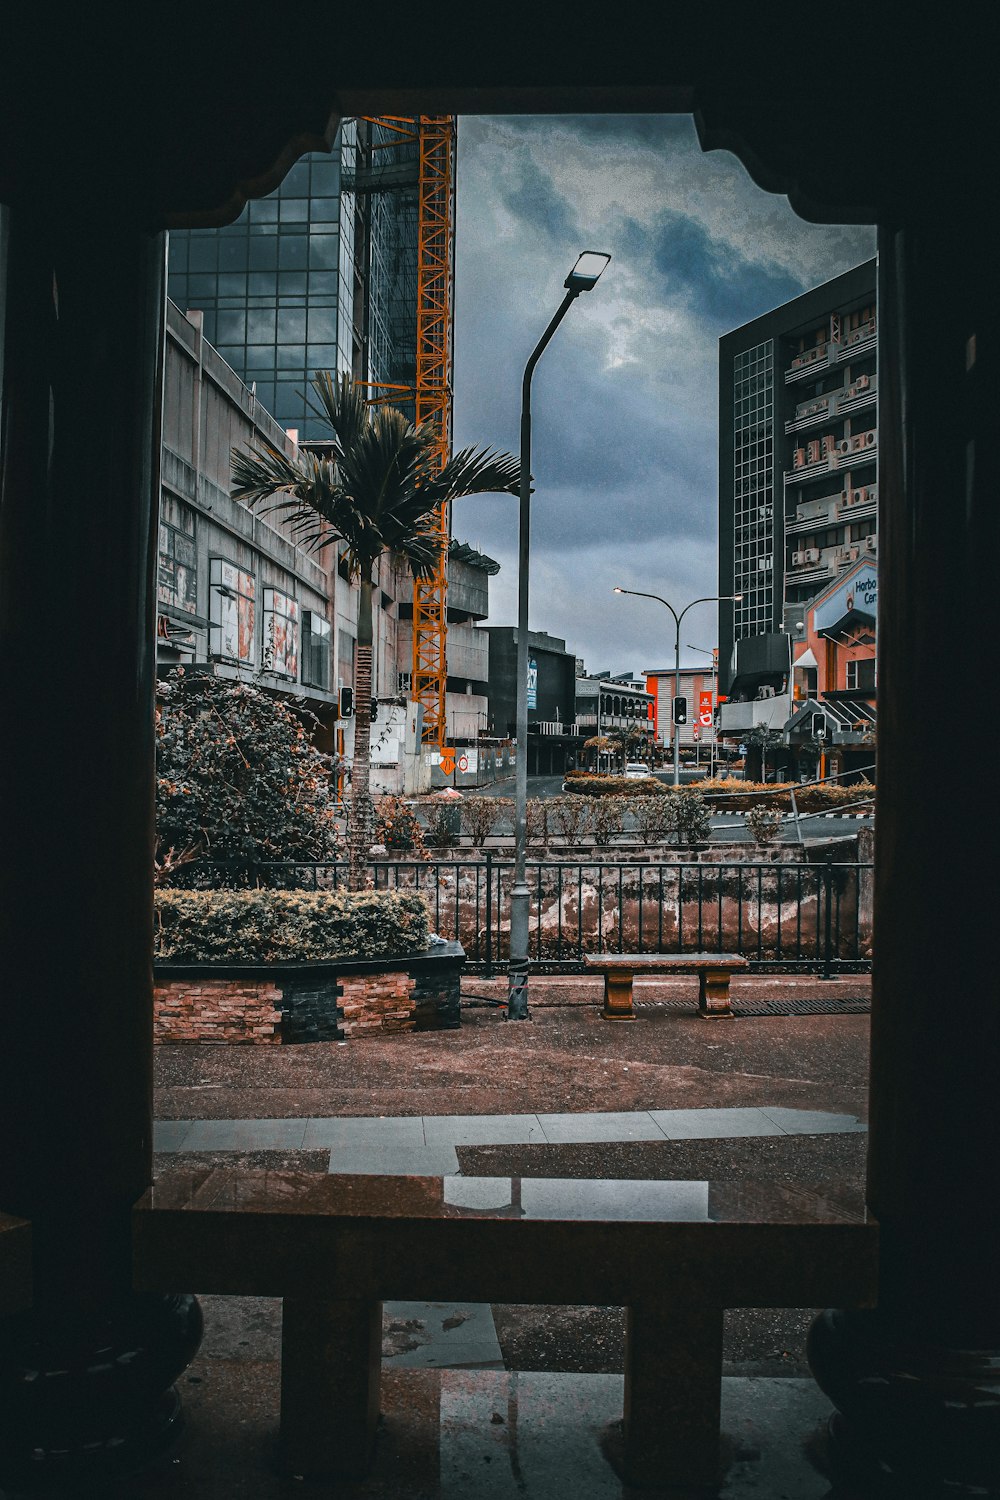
[{"x": 553, "y": 738}]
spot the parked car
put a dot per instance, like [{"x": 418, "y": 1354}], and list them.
[{"x": 635, "y": 768}]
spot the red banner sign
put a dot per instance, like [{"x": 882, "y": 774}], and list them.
[{"x": 705, "y": 710}]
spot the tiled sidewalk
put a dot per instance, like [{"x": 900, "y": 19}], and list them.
[{"x": 425, "y": 1144}]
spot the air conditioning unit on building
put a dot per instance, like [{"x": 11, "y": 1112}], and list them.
[
  {"x": 799, "y": 458},
  {"x": 843, "y": 446},
  {"x": 829, "y": 444},
  {"x": 764, "y": 564},
  {"x": 853, "y": 553},
  {"x": 857, "y": 442},
  {"x": 870, "y": 438},
  {"x": 861, "y": 495},
  {"x": 870, "y": 543},
  {"x": 811, "y": 554},
  {"x": 798, "y": 558},
  {"x": 863, "y": 382},
  {"x": 813, "y": 451}
]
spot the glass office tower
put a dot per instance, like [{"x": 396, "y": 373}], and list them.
[{"x": 321, "y": 275}]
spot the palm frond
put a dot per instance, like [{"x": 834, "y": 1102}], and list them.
[
  {"x": 341, "y": 405},
  {"x": 475, "y": 471}
]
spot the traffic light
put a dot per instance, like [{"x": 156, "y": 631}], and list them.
[
  {"x": 819, "y": 726},
  {"x": 374, "y": 709},
  {"x": 346, "y": 702},
  {"x": 680, "y": 713}
]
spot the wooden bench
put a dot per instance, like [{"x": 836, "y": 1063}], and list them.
[
  {"x": 675, "y": 1254},
  {"x": 713, "y": 970}
]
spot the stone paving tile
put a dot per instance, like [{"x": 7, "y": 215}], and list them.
[
  {"x": 708, "y": 1124},
  {"x": 169, "y": 1135},
  {"x": 482, "y": 1130},
  {"x": 601, "y": 1126},
  {"x": 244, "y": 1135},
  {"x": 811, "y": 1121},
  {"x": 395, "y": 1160},
  {"x": 363, "y": 1132}
]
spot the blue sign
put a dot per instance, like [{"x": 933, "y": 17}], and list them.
[
  {"x": 855, "y": 594},
  {"x": 532, "y": 683}
]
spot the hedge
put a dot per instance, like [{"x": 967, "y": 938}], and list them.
[
  {"x": 810, "y": 796},
  {"x": 266, "y": 926},
  {"x": 590, "y": 785}
]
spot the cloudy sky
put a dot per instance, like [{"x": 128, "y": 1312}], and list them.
[{"x": 624, "y": 400}]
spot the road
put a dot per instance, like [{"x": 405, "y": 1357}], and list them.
[{"x": 726, "y": 826}]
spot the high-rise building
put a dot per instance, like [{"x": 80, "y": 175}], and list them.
[
  {"x": 798, "y": 532},
  {"x": 320, "y": 275},
  {"x": 798, "y": 451}
]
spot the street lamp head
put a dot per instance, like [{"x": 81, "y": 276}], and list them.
[
  {"x": 617, "y": 590},
  {"x": 586, "y": 273}
]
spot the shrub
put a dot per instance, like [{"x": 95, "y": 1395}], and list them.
[
  {"x": 444, "y": 822},
  {"x": 237, "y": 776},
  {"x": 537, "y": 826},
  {"x": 764, "y": 823},
  {"x": 264, "y": 926},
  {"x": 655, "y": 817},
  {"x": 398, "y": 827},
  {"x": 568, "y": 816},
  {"x": 614, "y": 786},
  {"x": 694, "y": 821},
  {"x": 607, "y": 817},
  {"x": 480, "y": 815}
]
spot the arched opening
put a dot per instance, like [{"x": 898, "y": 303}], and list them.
[{"x": 83, "y": 1036}]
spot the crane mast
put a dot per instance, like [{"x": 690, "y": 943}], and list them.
[{"x": 432, "y": 392}]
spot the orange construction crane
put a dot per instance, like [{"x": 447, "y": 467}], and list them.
[
  {"x": 436, "y": 140},
  {"x": 435, "y": 357}
]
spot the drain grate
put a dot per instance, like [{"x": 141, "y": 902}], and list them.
[{"x": 858, "y": 1007}]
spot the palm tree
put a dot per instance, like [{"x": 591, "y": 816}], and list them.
[{"x": 375, "y": 485}]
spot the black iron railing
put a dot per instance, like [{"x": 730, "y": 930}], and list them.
[{"x": 801, "y": 915}]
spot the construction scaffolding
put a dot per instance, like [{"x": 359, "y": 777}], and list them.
[
  {"x": 435, "y": 354},
  {"x": 431, "y": 393}
]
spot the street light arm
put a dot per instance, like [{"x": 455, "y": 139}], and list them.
[
  {"x": 539, "y": 348},
  {"x": 640, "y": 594}
]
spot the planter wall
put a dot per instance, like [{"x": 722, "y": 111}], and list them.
[{"x": 274, "y": 1004}]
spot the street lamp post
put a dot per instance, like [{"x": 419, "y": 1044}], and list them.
[
  {"x": 705, "y": 599},
  {"x": 582, "y": 278}
]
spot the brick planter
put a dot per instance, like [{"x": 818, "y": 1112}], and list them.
[{"x": 271, "y": 1004}]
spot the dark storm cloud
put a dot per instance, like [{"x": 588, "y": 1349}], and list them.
[
  {"x": 535, "y": 200},
  {"x": 717, "y": 283},
  {"x": 624, "y": 402}
]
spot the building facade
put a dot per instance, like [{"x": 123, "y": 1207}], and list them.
[
  {"x": 798, "y": 452},
  {"x": 319, "y": 275},
  {"x": 235, "y": 594},
  {"x": 553, "y": 740},
  {"x": 607, "y": 705},
  {"x": 239, "y": 597},
  {"x": 698, "y": 687},
  {"x": 798, "y": 490}
]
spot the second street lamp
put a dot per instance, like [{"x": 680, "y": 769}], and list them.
[
  {"x": 705, "y": 599},
  {"x": 582, "y": 278}
]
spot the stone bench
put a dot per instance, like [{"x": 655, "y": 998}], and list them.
[
  {"x": 674, "y": 1254},
  {"x": 713, "y": 970}
]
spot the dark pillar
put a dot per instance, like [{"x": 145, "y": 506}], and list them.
[
  {"x": 83, "y": 1376},
  {"x": 918, "y": 1380}
]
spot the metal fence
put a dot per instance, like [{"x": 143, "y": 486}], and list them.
[{"x": 801, "y": 916}]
